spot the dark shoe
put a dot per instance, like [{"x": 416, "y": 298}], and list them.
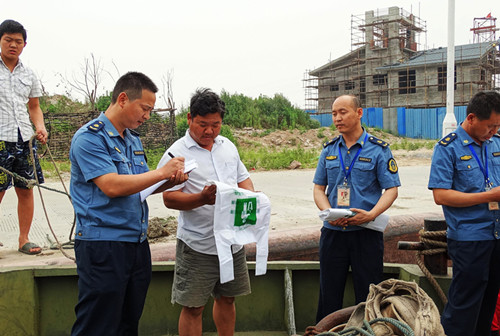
[{"x": 27, "y": 248}]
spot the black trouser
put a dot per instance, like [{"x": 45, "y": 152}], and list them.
[
  {"x": 363, "y": 251},
  {"x": 113, "y": 281},
  {"x": 474, "y": 288}
]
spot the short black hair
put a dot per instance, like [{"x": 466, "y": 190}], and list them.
[
  {"x": 132, "y": 83},
  {"x": 483, "y": 104},
  {"x": 12, "y": 27},
  {"x": 204, "y": 101}
]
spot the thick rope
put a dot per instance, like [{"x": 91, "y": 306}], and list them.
[
  {"x": 424, "y": 237},
  {"x": 59, "y": 245},
  {"x": 368, "y": 331},
  {"x": 31, "y": 183}
]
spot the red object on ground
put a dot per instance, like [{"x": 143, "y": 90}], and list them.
[{"x": 495, "y": 324}]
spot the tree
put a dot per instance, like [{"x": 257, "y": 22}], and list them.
[
  {"x": 87, "y": 81},
  {"x": 167, "y": 90}
]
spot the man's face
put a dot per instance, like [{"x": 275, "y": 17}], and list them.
[
  {"x": 12, "y": 46},
  {"x": 482, "y": 130},
  {"x": 345, "y": 117},
  {"x": 204, "y": 129},
  {"x": 137, "y": 111}
]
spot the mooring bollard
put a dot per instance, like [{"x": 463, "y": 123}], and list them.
[
  {"x": 432, "y": 244},
  {"x": 435, "y": 263}
]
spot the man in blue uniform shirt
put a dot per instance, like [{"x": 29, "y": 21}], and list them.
[
  {"x": 108, "y": 170},
  {"x": 361, "y": 175},
  {"x": 464, "y": 179}
]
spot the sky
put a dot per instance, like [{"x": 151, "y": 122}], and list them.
[{"x": 250, "y": 47}]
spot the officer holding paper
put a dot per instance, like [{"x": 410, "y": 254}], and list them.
[
  {"x": 465, "y": 180},
  {"x": 355, "y": 171}
]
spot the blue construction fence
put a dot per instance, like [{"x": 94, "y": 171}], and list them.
[{"x": 408, "y": 122}]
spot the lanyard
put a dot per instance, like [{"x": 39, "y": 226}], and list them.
[
  {"x": 484, "y": 169},
  {"x": 347, "y": 171}
]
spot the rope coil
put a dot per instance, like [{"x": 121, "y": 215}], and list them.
[
  {"x": 367, "y": 329},
  {"x": 442, "y": 248}
]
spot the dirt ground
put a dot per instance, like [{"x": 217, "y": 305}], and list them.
[
  {"x": 290, "y": 194},
  {"x": 315, "y": 138},
  {"x": 161, "y": 229}
]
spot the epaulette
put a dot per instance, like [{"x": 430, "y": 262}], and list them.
[
  {"x": 447, "y": 139},
  {"x": 496, "y": 135},
  {"x": 96, "y": 125},
  {"x": 328, "y": 143},
  {"x": 134, "y": 132},
  {"x": 378, "y": 141}
]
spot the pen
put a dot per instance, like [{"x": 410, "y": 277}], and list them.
[{"x": 171, "y": 155}]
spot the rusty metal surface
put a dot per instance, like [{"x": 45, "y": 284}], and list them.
[{"x": 303, "y": 244}]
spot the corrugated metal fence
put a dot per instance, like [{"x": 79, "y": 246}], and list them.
[{"x": 412, "y": 123}]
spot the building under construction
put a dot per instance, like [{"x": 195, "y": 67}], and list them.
[{"x": 388, "y": 67}]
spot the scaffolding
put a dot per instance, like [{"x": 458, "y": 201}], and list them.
[
  {"x": 388, "y": 66},
  {"x": 484, "y": 29}
]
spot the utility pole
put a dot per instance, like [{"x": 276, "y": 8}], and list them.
[{"x": 450, "y": 122}]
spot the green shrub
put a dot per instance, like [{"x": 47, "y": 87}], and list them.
[{"x": 268, "y": 159}]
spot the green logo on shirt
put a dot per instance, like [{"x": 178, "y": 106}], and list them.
[{"x": 245, "y": 211}]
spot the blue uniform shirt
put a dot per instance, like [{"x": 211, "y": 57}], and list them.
[
  {"x": 374, "y": 170},
  {"x": 454, "y": 167},
  {"x": 98, "y": 149}
]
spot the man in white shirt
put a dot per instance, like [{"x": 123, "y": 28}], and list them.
[
  {"x": 197, "y": 274},
  {"x": 19, "y": 87}
]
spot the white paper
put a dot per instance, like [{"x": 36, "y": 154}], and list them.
[
  {"x": 378, "y": 224},
  {"x": 333, "y": 214},
  {"x": 188, "y": 167}
]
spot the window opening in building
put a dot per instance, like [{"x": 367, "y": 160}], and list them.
[
  {"x": 407, "y": 81},
  {"x": 380, "y": 79},
  {"x": 442, "y": 71},
  {"x": 350, "y": 85}
]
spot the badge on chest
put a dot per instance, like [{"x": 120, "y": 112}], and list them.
[{"x": 343, "y": 195}]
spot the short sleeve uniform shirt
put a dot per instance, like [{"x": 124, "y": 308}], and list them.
[
  {"x": 455, "y": 167},
  {"x": 98, "y": 149},
  {"x": 373, "y": 171}
]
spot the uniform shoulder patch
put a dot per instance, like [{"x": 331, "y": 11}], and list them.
[
  {"x": 376, "y": 141},
  {"x": 334, "y": 140},
  {"x": 392, "y": 166},
  {"x": 448, "y": 139},
  {"x": 95, "y": 125}
]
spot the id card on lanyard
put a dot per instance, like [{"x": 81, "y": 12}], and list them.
[
  {"x": 344, "y": 190},
  {"x": 488, "y": 185}
]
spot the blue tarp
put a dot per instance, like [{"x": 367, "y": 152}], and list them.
[
  {"x": 425, "y": 123},
  {"x": 412, "y": 123}
]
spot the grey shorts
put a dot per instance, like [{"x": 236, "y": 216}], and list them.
[{"x": 197, "y": 277}]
